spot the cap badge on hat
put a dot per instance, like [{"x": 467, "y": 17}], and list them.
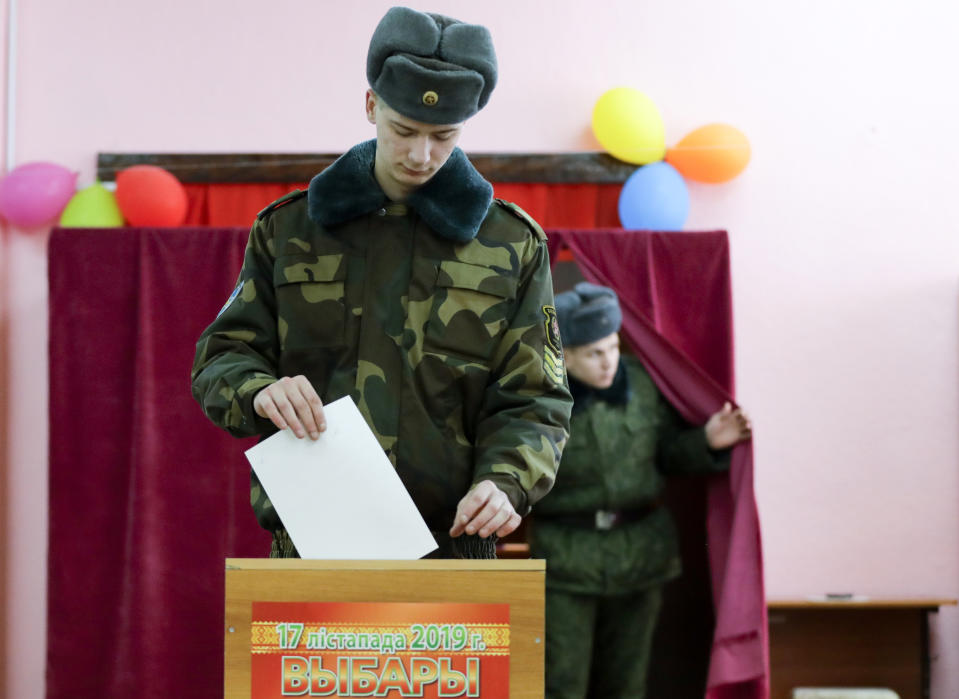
[{"x": 430, "y": 98}]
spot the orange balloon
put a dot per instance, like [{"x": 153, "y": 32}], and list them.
[
  {"x": 713, "y": 153},
  {"x": 151, "y": 196}
]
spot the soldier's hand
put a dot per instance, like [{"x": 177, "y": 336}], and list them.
[
  {"x": 484, "y": 510},
  {"x": 727, "y": 427},
  {"x": 292, "y": 402}
]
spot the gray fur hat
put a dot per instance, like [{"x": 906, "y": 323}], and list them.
[
  {"x": 587, "y": 313},
  {"x": 429, "y": 67}
]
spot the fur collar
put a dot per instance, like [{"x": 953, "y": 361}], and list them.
[
  {"x": 617, "y": 394},
  {"x": 453, "y": 203}
]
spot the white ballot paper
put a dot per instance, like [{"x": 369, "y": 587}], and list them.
[{"x": 339, "y": 497}]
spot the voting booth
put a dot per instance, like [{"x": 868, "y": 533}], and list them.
[
  {"x": 426, "y": 628},
  {"x": 147, "y": 497}
]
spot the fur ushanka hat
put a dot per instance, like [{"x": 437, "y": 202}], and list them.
[
  {"x": 429, "y": 67},
  {"x": 587, "y": 313}
]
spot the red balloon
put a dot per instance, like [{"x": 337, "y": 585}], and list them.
[{"x": 151, "y": 196}]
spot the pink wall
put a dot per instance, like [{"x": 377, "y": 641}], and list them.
[
  {"x": 845, "y": 266},
  {"x": 4, "y": 381}
]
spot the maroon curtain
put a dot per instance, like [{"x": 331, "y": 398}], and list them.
[
  {"x": 147, "y": 498},
  {"x": 675, "y": 292}
]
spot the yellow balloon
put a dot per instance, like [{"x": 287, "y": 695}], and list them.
[
  {"x": 628, "y": 125},
  {"x": 92, "y": 207}
]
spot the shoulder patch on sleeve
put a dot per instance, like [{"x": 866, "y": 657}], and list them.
[
  {"x": 236, "y": 292},
  {"x": 554, "y": 365},
  {"x": 282, "y": 201},
  {"x": 523, "y": 216}
]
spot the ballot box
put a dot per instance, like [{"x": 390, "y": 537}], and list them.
[{"x": 423, "y": 628}]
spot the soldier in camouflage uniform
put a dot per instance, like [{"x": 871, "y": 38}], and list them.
[
  {"x": 399, "y": 281},
  {"x": 608, "y": 543}
]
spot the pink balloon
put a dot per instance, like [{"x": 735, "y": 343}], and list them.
[{"x": 34, "y": 194}]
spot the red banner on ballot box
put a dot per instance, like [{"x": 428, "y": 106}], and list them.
[{"x": 380, "y": 649}]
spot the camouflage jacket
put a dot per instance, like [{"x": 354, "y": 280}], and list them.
[
  {"x": 623, "y": 443},
  {"x": 435, "y": 317}
]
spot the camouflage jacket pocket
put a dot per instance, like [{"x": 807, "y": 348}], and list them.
[
  {"x": 471, "y": 306},
  {"x": 310, "y": 300}
]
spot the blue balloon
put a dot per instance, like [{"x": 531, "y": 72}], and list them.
[{"x": 654, "y": 198}]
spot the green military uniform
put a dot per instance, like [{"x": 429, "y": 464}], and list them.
[
  {"x": 433, "y": 316},
  {"x": 604, "y": 584}
]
